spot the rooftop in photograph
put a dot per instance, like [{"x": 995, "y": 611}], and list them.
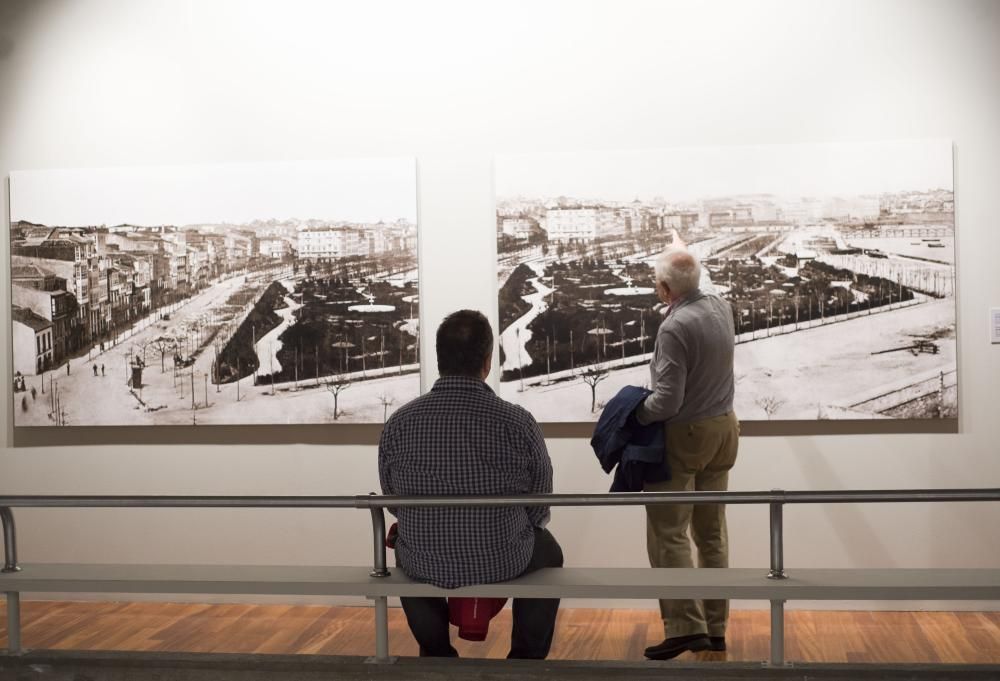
[
  {"x": 29, "y": 319},
  {"x": 28, "y": 272}
]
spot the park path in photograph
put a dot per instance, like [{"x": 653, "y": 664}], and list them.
[
  {"x": 781, "y": 367},
  {"x": 188, "y": 396}
]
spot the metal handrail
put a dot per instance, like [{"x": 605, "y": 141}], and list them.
[{"x": 612, "y": 499}]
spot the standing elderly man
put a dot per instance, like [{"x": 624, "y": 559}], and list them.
[
  {"x": 461, "y": 439},
  {"x": 691, "y": 375}
]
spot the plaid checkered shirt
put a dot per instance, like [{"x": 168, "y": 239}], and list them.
[{"x": 460, "y": 439}]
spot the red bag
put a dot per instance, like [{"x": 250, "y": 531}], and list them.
[{"x": 472, "y": 615}]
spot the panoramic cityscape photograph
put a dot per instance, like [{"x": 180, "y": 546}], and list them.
[
  {"x": 218, "y": 294},
  {"x": 838, "y": 261}
]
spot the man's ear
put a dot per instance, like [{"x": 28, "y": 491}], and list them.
[{"x": 487, "y": 365}]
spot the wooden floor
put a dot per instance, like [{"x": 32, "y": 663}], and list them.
[{"x": 582, "y": 634}]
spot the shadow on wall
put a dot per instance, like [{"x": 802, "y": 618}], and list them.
[
  {"x": 16, "y": 20},
  {"x": 311, "y": 434},
  {"x": 795, "y": 428},
  {"x": 13, "y": 16}
]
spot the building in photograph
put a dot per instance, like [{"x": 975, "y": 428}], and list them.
[
  {"x": 322, "y": 243},
  {"x": 520, "y": 228},
  {"x": 680, "y": 220},
  {"x": 275, "y": 247},
  {"x": 53, "y": 243},
  {"x": 57, "y": 307},
  {"x": 763, "y": 211},
  {"x": 402, "y": 236},
  {"x": 31, "y": 275},
  {"x": 802, "y": 211},
  {"x": 32, "y": 341},
  {"x": 583, "y": 223},
  {"x": 852, "y": 208},
  {"x": 737, "y": 215}
]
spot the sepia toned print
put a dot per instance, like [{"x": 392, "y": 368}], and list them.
[
  {"x": 225, "y": 294},
  {"x": 838, "y": 262}
]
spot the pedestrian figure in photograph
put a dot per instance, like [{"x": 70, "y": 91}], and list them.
[
  {"x": 102, "y": 370},
  {"x": 691, "y": 375},
  {"x": 462, "y": 439},
  {"x": 95, "y": 370}
]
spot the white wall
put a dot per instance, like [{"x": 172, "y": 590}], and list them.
[{"x": 97, "y": 83}]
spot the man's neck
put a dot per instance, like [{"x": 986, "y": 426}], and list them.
[{"x": 679, "y": 300}]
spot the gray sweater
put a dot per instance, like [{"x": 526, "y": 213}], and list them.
[{"x": 691, "y": 373}]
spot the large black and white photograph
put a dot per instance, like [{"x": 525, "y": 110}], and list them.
[
  {"x": 838, "y": 261},
  {"x": 255, "y": 293}
]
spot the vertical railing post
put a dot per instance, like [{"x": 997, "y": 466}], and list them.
[
  {"x": 777, "y": 570},
  {"x": 378, "y": 536},
  {"x": 380, "y": 570},
  {"x": 9, "y": 540}
]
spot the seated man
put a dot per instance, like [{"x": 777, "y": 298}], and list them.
[{"x": 461, "y": 439}]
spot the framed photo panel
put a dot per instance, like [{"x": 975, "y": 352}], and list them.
[
  {"x": 258, "y": 293},
  {"x": 838, "y": 261}
]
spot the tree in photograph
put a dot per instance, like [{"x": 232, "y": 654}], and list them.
[
  {"x": 769, "y": 404},
  {"x": 345, "y": 345},
  {"x": 386, "y": 402},
  {"x": 592, "y": 377},
  {"x": 163, "y": 345},
  {"x": 337, "y": 385}
]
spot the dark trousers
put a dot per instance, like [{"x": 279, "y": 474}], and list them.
[{"x": 534, "y": 618}]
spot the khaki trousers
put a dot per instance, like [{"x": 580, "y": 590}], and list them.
[{"x": 700, "y": 455}]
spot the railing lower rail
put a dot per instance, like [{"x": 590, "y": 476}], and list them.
[{"x": 776, "y": 499}]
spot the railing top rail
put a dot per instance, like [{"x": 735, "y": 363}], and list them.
[{"x": 611, "y": 499}]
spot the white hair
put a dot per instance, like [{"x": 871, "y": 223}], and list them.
[{"x": 679, "y": 270}]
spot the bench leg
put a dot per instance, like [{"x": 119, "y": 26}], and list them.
[
  {"x": 13, "y": 622},
  {"x": 382, "y": 630},
  {"x": 777, "y": 634}
]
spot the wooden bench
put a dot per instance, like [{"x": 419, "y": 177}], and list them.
[{"x": 570, "y": 582}]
